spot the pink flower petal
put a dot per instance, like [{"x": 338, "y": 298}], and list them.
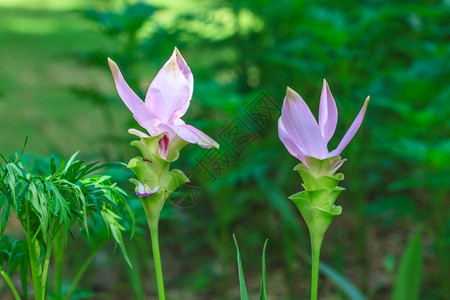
[
  {"x": 302, "y": 126},
  {"x": 351, "y": 131},
  {"x": 194, "y": 136},
  {"x": 138, "y": 133},
  {"x": 170, "y": 92},
  {"x": 140, "y": 112},
  {"x": 184, "y": 68},
  {"x": 292, "y": 148},
  {"x": 328, "y": 113}
]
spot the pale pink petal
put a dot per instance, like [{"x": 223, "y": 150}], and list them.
[
  {"x": 351, "y": 131},
  {"x": 178, "y": 122},
  {"x": 302, "y": 126},
  {"x": 165, "y": 128},
  {"x": 140, "y": 112},
  {"x": 292, "y": 148},
  {"x": 138, "y": 133},
  {"x": 194, "y": 136},
  {"x": 328, "y": 113},
  {"x": 170, "y": 92}
]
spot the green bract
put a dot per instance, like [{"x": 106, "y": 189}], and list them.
[
  {"x": 153, "y": 170},
  {"x": 316, "y": 202}
]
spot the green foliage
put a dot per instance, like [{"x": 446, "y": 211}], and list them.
[
  {"x": 409, "y": 274},
  {"x": 65, "y": 197},
  {"x": 50, "y": 206},
  {"x": 14, "y": 255},
  {"x": 129, "y": 20}
]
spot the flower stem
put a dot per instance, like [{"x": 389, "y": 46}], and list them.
[
  {"x": 35, "y": 272},
  {"x": 316, "y": 243},
  {"x": 157, "y": 260},
  {"x": 10, "y": 284},
  {"x": 58, "y": 252},
  {"x": 48, "y": 253}
]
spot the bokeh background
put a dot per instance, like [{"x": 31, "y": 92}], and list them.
[{"x": 56, "y": 88}]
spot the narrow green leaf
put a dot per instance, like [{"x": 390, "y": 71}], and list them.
[
  {"x": 72, "y": 158},
  {"x": 409, "y": 275},
  {"x": 5, "y": 217},
  {"x": 263, "y": 290},
  {"x": 20, "y": 154},
  {"x": 61, "y": 165},
  {"x": 52, "y": 165},
  {"x": 242, "y": 287}
]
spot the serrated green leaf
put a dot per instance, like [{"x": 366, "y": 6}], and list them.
[{"x": 111, "y": 220}]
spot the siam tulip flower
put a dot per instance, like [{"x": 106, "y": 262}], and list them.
[
  {"x": 307, "y": 139},
  {"x": 303, "y": 136},
  {"x": 167, "y": 100}
]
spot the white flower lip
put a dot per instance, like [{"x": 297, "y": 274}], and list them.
[{"x": 143, "y": 190}]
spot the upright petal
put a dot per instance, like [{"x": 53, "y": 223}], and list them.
[
  {"x": 351, "y": 131},
  {"x": 194, "y": 136},
  {"x": 170, "y": 92},
  {"x": 328, "y": 113},
  {"x": 140, "y": 112},
  {"x": 184, "y": 68},
  {"x": 292, "y": 148},
  {"x": 302, "y": 126},
  {"x": 190, "y": 79}
]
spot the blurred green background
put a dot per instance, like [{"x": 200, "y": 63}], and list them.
[{"x": 56, "y": 88}]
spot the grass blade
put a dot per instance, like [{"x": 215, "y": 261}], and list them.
[
  {"x": 242, "y": 287},
  {"x": 263, "y": 290},
  {"x": 409, "y": 275}
]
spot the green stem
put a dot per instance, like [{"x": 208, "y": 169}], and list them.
[
  {"x": 58, "y": 252},
  {"x": 157, "y": 260},
  {"x": 81, "y": 271},
  {"x": 33, "y": 258},
  {"x": 44, "y": 273},
  {"x": 316, "y": 243},
  {"x": 10, "y": 284}
]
